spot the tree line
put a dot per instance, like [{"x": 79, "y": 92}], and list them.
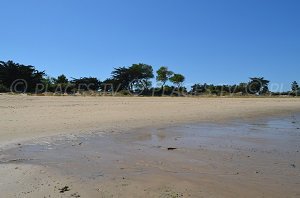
[{"x": 131, "y": 80}]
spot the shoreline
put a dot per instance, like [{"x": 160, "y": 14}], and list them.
[
  {"x": 110, "y": 131},
  {"x": 30, "y": 117}
]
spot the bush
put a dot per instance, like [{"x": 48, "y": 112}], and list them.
[
  {"x": 124, "y": 93},
  {"x": 3, "y": 89}
]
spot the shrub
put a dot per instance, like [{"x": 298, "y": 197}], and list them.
[{"x": 3, "y": 88}]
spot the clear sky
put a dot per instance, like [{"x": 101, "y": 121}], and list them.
[{"x": 213, "y": 41}]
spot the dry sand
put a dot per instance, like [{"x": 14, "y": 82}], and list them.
[
  {"x": 131, "y": 166},
  {"x": 27, "y": 117}
]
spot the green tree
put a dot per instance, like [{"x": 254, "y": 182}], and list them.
[
  {"x": 258, "y": 85},
  {"x": 86, "y": 83},
  {"x": 163, "y": 75},
  {"x": 295, "y": 86},
  {"x": 198, "y": 89},
  {"x": 177, "y": 79},
  {"x": 62, "y": 79},
  {"x": 62, "y": 84},
  {"x": 141, "y": 71},
  {"x": 49, "y": 84},
  {"x": 132, "y": 77},
  {"x": 26, "y": 76},
  {"x": 110, "y": 85},
  {"x": 3, "y": 88},
  {"x": 121, "y": 77},
  {"x": 140, "y": 75},
  {"x": 242, "y": 88}
]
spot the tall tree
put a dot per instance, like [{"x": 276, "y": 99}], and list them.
[
  {"x": 258, "y": 85},
  {"x": 295, "y": 86},
  {"x": 27, "y": 76},
  {"x": 139, "y": 76},
  {"x": 121, "y": 78},
  {"x": 126, "y": 78},
  {"x": 62, "y": 84},
  {"x": 177, "y": 80},
  {"x": 141, "y": 71},
  {"x": 163, "y": 75}
]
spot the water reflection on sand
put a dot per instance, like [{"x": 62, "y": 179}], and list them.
[{"x": 244, "y": 158}]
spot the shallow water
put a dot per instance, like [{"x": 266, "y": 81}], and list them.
[
  {"x": 267, "y": 146},
  {"x": 277, "y": 134}
]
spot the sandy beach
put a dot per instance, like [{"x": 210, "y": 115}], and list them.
[
  {"x": 27, "y": 117},
  {"x": 150, "y": 99},
  {"x": 149, "y": 147}
]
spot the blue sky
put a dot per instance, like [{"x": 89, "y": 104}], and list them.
[{"x": 213, "y": 41}]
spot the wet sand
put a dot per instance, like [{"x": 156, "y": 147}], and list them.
[
  {"x": 28, "y": 117},
  {"x": 257, "y": 158},
  {"x": 244, "y": 154}
]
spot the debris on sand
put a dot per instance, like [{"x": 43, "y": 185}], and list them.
[
  {"x": 14, "y": 161},
  {"x": 75, "y": 195},
  {"x": 64, "y": 189},
  {"x": 293, "y": 165},
  {"x": 171, "y": 148}
]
